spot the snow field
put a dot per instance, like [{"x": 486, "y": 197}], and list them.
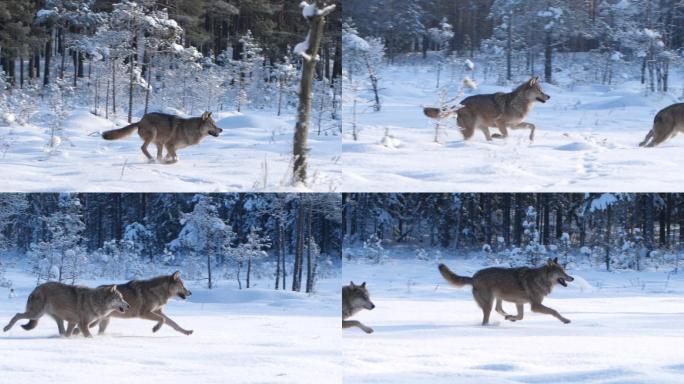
[
  {"x": 626, "y": 328},
  {"x": 253, "y": 153},
  {"x": 248, "y": 336},
  {"x": 586, "y": 140}
]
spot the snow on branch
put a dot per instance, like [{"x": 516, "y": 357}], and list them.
[{"x": 310, "y": 11}]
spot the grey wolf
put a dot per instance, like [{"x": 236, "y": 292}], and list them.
[
  {"x": 76, "y": 305},
  {"x": 147, "y": 299},
  {"x": 355, "y": 298},
  {"x": 168, "y": 131},
  {"x": 667, "y": 123},
  {"x": 500, "y": 110},
  {"x": 518, "y": 285}
]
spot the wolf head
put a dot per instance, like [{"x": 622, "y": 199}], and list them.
[
  {"x": 209, "y": 126},
  {"x": 556, "y": 274},
  {"x": 360, "y": 298},
  {"x": 176, "y": 286},
  {"x": 114, "y": 299},
  {"x": 533, "y": 91}
]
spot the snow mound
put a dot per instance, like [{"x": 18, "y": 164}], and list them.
[{"x": 577, "y": 146}]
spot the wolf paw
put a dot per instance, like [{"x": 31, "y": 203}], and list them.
[
  {"x": 368, "y": 330},
  {"x": 188, "y": 333},
  {"x": 511, "y": 318},
  {"x": 156, "y": 328},
  {"x": 565, "y": 321}
]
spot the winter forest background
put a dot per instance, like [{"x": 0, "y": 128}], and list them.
[
  {"x": 610, "y": 231},
  {"x": 283, "y": 241}
]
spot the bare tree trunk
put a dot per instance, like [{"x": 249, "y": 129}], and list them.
[
  {"x": 209, "y": 285},
  {"x": 509, "y": 45},
  {"x": 113, "y": 85},
  {"x": 300, "y": 149},
  {"x": 130, "y": 91},
  {"x": 48, "y": 56}
]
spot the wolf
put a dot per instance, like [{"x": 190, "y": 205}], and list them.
[
  {"x": 147, "y": 299},
  {"x": 76, "y": 305},
  {"x": 518, "y": 285},
  {"x": 501, "y": 110},
  {"x": 355, "y": 298},
  {"x": 168, "y": 131},
  {"x": 667, "y": 123}
]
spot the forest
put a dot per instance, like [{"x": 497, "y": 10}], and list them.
[
  {"x": 119, "y": 58},
  {"x": 525, "y": 36},
  {"x": 609, "y": 230},
  {"x": 288, "y": 239}
]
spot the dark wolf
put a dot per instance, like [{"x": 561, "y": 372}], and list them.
[
  {"x": 500, "y": 110},
  {"x": 355, "y": 298},
  {"x": 666, "y": 124},
  {"x": 168, "y": 131},
  {"x": 147, "y": 299},
  {"x": 518, "y": 285},
  {"x": 76, "y": 305}
]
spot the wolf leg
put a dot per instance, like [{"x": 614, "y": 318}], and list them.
[
  {"x": 484, "y": 300},
  {"x": 173, "y": 323},
  {"x": 154, "y": 317},
  {"x": 83, "y": 326},
  {"x": 160, "y": 147},
  {"x": 171, "y": 156},
  {"x": 539, "y": 308},
  {"x": 104, "y": 322},
  {"x": 145, "y": 151},
  {"x": 60, "y": 324},
  {"x": 660, "y": 137},
  {"x": 648, "y": 137},
  {"x": 499, "y": 308},
  {"x": 356, "y": 323},
  {"x": 529, "y": 126},
  {"x": 17, "y": 317},
  {"x": 504, "y": 131},
  {"x": 519, "y": 316},
  {"x": 485, "y": 130},
  {"x": 70, "y": 329}
]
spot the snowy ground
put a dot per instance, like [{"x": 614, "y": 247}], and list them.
[
  {"x": 587, "y": 140},
  {"x": 626, "y": 328},
  {"x": 253, "y": 153},
  {"x": 248, "y": 336}
]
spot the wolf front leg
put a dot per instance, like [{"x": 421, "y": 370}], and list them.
[
  {"x": 529, "y": 126},
  {"x": 539, "y": 308},
  {"x": 173, "y": 323},
  {"x": 356, "y": 323}
]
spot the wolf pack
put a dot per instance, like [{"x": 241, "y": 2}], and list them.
[
  {"x": 83, "y": 307},
  {"x": 490, "y": 288},
  {"x": 508, "y": 111}
]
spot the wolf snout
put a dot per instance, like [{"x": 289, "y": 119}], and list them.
[
  {"x": 125, "y": 307},
  {"x": 371, "y": 306}
]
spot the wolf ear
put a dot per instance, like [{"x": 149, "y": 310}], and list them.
[
  {"x": 351, "y": 283},
  {"x": 534, "y": 80},
  {"x": 206, "y": 115},
  {"x": 175, "y": 276},
  {"x": 112, "y": 289},
  {"x": 363, "y": 285}
]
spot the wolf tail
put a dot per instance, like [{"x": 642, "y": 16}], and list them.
[
  {"x": 35, "y": 300},
  {"x": 116, "y": 134},
  {"x": 441, "y": 113},
  {"x": 454, "y": 279}
]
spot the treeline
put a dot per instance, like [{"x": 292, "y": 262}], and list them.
[
  {"x": 525, "y": 35},
  {"x": 611, "y": 225},
  {"x": 211, "y": 236},
  {"x": 120, "y": 58}
]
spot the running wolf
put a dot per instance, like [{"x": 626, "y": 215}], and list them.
[
  {"x": 666, "y": 124},
  {"x": 147, "y": 299},
  {"x": 77, "y": 305},
  {"x": 168, "y": 131},
  {"x": 518, "y": 285},
  {"x": 501, "y": 110},
  {"x": 355, "y": 298}
]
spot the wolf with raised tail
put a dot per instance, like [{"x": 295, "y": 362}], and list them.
[
  {"x": 500, "y": 110},
  {"x": 517, "y": 285}
]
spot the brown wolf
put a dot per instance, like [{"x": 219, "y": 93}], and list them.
[
  {"x": 147, "y": 299},
  {"x": 168, "y": 131},
  {"x": 517, "y": 285},
  {"x": 666, "y": 124},
  {"x": 355, "y": 298},
  {"x": 77, "y": 305},
  {"x": 501, "y": 110}
]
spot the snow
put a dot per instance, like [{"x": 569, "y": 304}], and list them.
[
  {"x": 234, "y": 161},
  {"x": 625, "y": 329},
  {"x": 586, "y": 139},
  {"x": 240, "y": 336}
]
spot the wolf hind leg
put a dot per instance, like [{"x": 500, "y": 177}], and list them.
[
  {"x": 519, "y": 316},
  {"x": 648, "y": 137},
  {"x": 660, "y": 136},
  {"x": 499, "y": 308},
  {"x": 484, "y": 300},
  {"x": 539, "y": 308}
]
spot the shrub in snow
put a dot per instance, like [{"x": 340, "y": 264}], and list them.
[{"x": 373, "y": 250}]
